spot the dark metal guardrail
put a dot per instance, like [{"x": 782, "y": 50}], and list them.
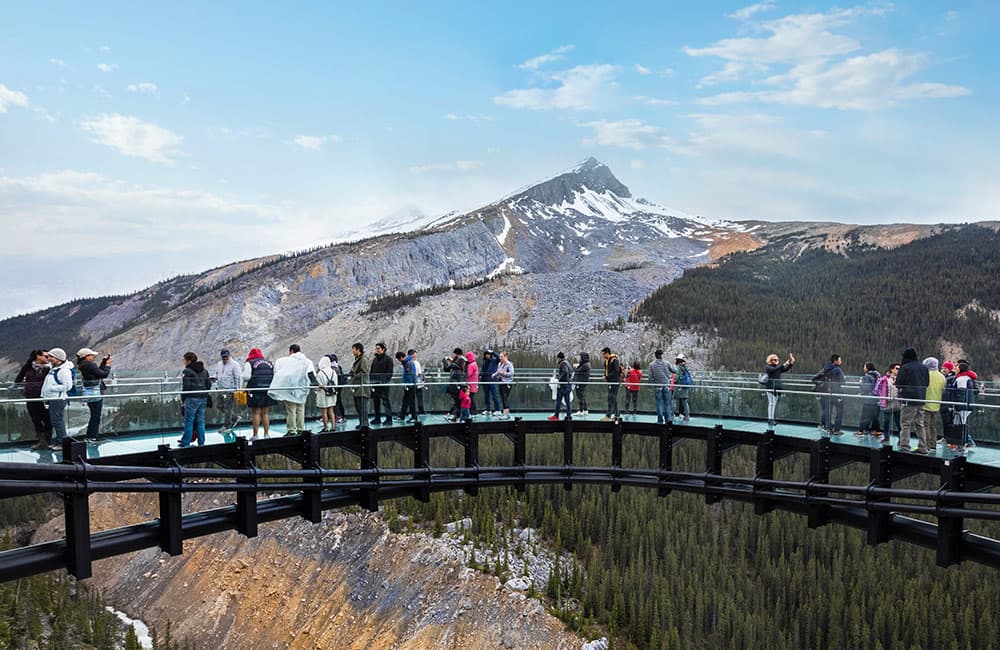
[{"x": 874, "y": 508}]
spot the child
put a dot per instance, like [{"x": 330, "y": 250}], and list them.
[
  {"x": 632, "y": 380},
  {"x": 465, "y": 402}
]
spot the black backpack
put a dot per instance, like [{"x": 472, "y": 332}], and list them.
[{"x": 822, "y": 381}]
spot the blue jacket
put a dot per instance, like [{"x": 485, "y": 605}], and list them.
[
  {"x": 488, "y": 367},
  {"x": 409, "y": 370}
]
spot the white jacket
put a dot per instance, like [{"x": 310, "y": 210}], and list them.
[
  {"x": 52, "y": 389},
  {"x": 291, "y": 379}
]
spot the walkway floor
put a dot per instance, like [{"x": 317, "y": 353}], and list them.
[{"x": 980, "y": 455}]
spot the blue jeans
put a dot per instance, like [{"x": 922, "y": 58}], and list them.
[
  {"x": 664, "y": 409},
  {"x": 890, "y": 423},
  {"x": 492, "y": 397},
  {"x": 562, "y": 396},
  {"x": 57, "y": 416},
  {"x": 194, "y": 420}
]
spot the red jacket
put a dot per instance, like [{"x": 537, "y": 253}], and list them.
[{"x": 632, "y": 379}]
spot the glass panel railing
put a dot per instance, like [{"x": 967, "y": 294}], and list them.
[{"x": 148, "y": 406}]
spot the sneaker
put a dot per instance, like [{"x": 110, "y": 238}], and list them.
[
  {"x": 606, "y": 418},
  {"x": 497, "y": 413},
  {"x": 823, "y": 429},
  {"x": 577, "y": 414},
  {"x": 836, "y": 432},
  {"x": 861, "y": 433},
  {"x": 553, "y": 418},
  {"x": 40, "y": 445},
  {"x": 586, "y": 412}
]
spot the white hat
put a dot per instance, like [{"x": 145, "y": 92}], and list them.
[
  {"x": 82, "y": 352},
  {"x": 680, "y": 357},
  {"x": 58, "y": 353}
]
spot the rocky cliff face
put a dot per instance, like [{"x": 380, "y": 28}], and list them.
[{"x": 347, "y": 582}]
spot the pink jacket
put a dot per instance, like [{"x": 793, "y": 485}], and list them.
[{"x": 472, "y": 370}]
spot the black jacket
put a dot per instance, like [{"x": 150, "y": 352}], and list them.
[
  {"x": 774, "y": 375},
  {"x": 381, "y": 369},
  {"x": 93, "y": 373},
  {"x": 582, "y": 373},
  {"x": 913, "y": 377},
  {"x": 564, "y": 373},
  {"x": 195, "y": 380},
  {"x": 613, "y": 370}
]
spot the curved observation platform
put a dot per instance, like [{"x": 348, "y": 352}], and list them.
[{"x": 142, "y": 464}]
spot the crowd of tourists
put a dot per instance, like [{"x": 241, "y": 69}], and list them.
[{"x": 910, "y": 399}]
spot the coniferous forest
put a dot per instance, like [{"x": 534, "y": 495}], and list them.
[{"x": 866, "y": 304}]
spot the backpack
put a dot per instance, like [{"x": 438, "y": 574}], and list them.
[
  {"x": 763, "y": 379},
  {"x": 822, "y": 381},
  {"x": 685, "y": 379},
  {"x": 74, "y": 390}
]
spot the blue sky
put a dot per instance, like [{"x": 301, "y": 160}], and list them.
[{"x": 145, "y": 141}]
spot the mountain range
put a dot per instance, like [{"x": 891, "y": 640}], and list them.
[{"x": 547, "y": 267}]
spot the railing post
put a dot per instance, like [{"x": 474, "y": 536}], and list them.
[
  {"x": 765, "y": 470},
  {"x": 369, "y": 460},
  {"x": 666, "y": 453},
  {"x": 713, "y": 460},
  {"x": 879, "y": 475},
  {"x": 616, "y": 452},
  {"x": 421, "y": 458},
  {"x": 76, "y": 508},
  {"x": 567, "y": 452},
  {"x": 312, "y": 496},
  {"x": 520, "y": 451},
  {"x": 471, "y": 456},
  {"x": 819, "y": 472},
  {"x": 171, "y": 530},
  {"x": 949, "y": 539},
  {"x": 246, "y": 502}
]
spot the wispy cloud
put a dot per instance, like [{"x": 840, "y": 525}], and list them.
[
  {"x": 315, "y": 142},
  {"x": 538, "y": 61},
  {"x": 107, "y": 67},
  {"x": 185, "y": 99},
  {"x": 144, "y": 87},
  {"x": 643, "y": 70},
  {"x": 748, "y": 12},
  {"x": 106, "y": 49},
  {"x": 874, "y": 81},
  {"x": 654, "y": 101},
  {"x": 10, "y": 97},
  {"x": 131, "y": 136},
  {"x": 628, "y": 134},
  {"x": 458, "y": 166},
  {"x": 100, "y": 91},
  {"x": 59, "y": 63},
  {"x": 468, "y": 117},
  {"x": 578, "y": 88}
]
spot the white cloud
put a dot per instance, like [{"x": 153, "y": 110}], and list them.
[
  {"x": 731, "y": 71},
  {"x": 643, "y": 70},
  {"x": 105, "y": 48},
  {"x": 793, "y": 38},
  {"x": 459, "y": 166},
  {"x": 315, "y": 142},
  {"x": 873, "y": 81},
  {"x": 145, "y": 87},
  {"x": 130, "y": 136},
  {"x": 578, "y": 88},
  {"x": 100, "y": 91},
  {"x": 636, "y": 164},
  {"x": 667, "y": 72},
  {"x": 107, "y": 67},
  {"x": 747, "y": 12},
  {"x": 59, "y": 63},
  {"x": 185, "y": 99},
  {"x": 654, "y": 101},
  {"x": 539, "y": 61},
  {"x": 628, "y": 134},
  {"x": 468, "y": 117},
  {"x": 10, "y": 97},
  {"x": 951, "y": 16}
]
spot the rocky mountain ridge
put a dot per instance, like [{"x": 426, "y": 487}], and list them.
[{"x": 551, "y": 264}]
